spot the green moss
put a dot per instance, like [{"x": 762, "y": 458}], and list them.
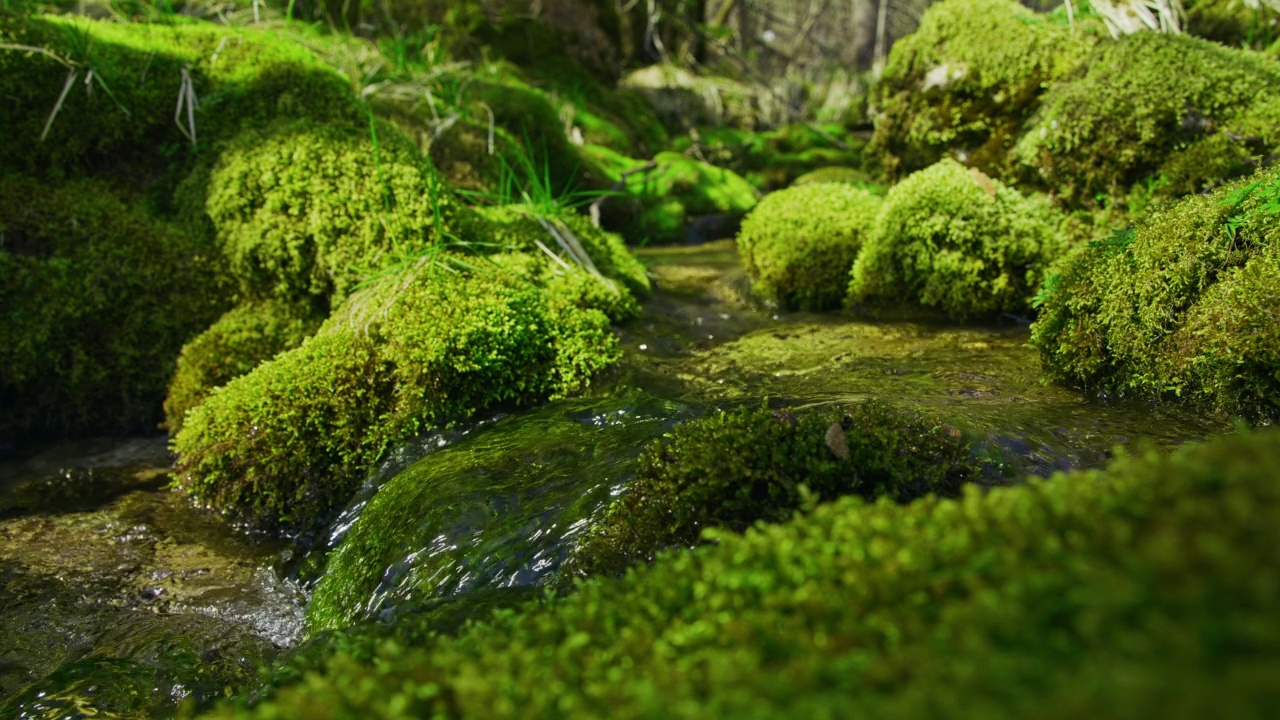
[
  {"x": 1180, "y": 305},
  {"x": 96, "y": 299},
  {"x": 965, "y": 82},
  {"x": 242, "y": 78},
  {"x": 517, "y": 227},
  {"x": 305, "y": 210},
  {"x": 238, "y": 342},
  {"x": 957, "y": 241},
  {"x": 1232, "y": 22},
  {"x": 660, "y": 201},
  {"x": 410, "y": 353},
  {"x": 774, "y": 159},
  {"x": 1142, "y": 100},
  {"x": 835, "y": 174},
  {"x": 734, "y": 469},
  {"x": 799, "y": 244},
  {"x": 1147, "y": 589}
]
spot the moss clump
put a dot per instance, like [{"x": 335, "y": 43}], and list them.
[
  {"x": 799, "y": 244},
  {"x": 966, "y": 81},
  {"x": 238, "y": 342},
  {"x": 306, "y": 210},
  {"x": 517, "y": 227},
  {"x": 243, "y": 78},
  {"x": 1150, "y": 584},
  {"x": 664, "y": 196},
  {"x": 287, "y": 444},
  {"x": 96, "y": 299},
  {"x": 733, "y": 469},
  {"x": 1141, "y": 100},
  {"x": 957, "y": 241},
  {"x": 1184, "y": 304}
]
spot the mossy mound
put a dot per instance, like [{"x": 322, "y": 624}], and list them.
[
  {"x": 241, "y": 78},
  {"x": 1182, "y": 305},
  {"x": 799, "y": 244},
  {"x": 1141, "y": 101},
  {"x": 1233, "y": 22},
  {"x": 664, "y": 196},
  {"x": 966, "y": 81},
  {"x": 519, "y": 227},
  {"x": 1146, "y": 589},
  {"x": 414, "y": 351},
  {"x": 245, "y": 337},
  {"x": 96, "y": 299},
  {"x": 309, "y": 210},
  {"x": 954, "y": 240},
  {"x": 734, "y": 469}
]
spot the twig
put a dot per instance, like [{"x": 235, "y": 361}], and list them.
[
  {"x": 66, "y": 88},
  {"x": 594, "y": 209}
]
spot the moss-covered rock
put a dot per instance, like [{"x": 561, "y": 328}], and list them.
[
  {"x": 1143, "y": 100},
  {"x": 519, "y": 227},
  {"x": 954, "y": 240},
  {"x": 799, "y": 244},
  {"x": 664, "y": 196},
  {"x": 287, "y": 444},
  {"x": 238, "y": 342},
  {"x": 308, "y": 210},
  {"x": 241, "y": 78},
  {"x": 734, "y": 469},
  {"x": 965, "y": 82},
  {"x": 1184, "y": 304},
  {"x": 96, "y": 299},
  {"x": 1146, "y": 589}
]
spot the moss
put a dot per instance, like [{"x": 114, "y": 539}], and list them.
[
  {"x": 773, "y": 159},
  {"x": 734, "y": 469},
  {"x": 1146, "y": 589},
  {"x": 1232, "y": 22},
  {"x": 799, "y": 244},
  {"x": 238, "y": 342},
  {"x": 97, "y": 300},
  {"x": 662, "y": 200},
  {"x": 834, "y": 174},
  {"x": 1141, "y": 101},
  {"x": 965, "y": 82},
  {"x": 242, "y": 77},
  {"x": 957, "y": 241},
  {"x": 517, "y": 227},
  {"x": 410, "y": 353},
  {"x": 1176, "y": 306},
  {"x": 307, "y": 210}
]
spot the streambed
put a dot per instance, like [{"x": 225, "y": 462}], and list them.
[{"x": 119, "y": 595}]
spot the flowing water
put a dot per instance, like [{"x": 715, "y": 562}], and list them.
[{"x": 107, "y": 575}]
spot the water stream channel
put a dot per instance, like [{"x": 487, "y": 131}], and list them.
[{"x": 105, "y": 573}]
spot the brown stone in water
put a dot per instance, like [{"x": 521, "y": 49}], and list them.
[{"x": 838, "y": 441}]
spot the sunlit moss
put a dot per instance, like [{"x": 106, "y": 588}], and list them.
[{"x": 959, "y": 242}]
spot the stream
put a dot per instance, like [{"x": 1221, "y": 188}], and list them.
[{"x": 119, "y": 597}]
